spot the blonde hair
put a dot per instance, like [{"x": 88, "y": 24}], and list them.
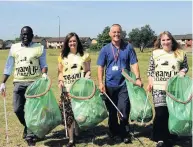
[{"x": 175, "y": 44}]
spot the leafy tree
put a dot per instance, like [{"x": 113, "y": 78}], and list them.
[
  {"x": 1, "y": 43},
  {"x": 94, "y": 47},
  {"x": 103, "y": 38},
  {"x": 37, "y": 37},
  {"x": 17, "y": 39},
  {"x": 142, "y": 37},
  {"x": 124, "y": 34}
]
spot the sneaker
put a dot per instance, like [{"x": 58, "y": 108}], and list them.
[{"x": 160, "y": 144}]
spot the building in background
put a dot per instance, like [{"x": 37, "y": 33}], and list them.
[{"x": 184, "y": 40}]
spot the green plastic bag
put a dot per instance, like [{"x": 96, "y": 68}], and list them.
[
  {"x": 87, "y": 104},
  {"x": 42, "y": 113},
  {"x": 141, "y": 112},
  {"x": 179, "y": 102}
]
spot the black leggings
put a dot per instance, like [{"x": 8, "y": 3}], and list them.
[{"x": 160, "y": 125}]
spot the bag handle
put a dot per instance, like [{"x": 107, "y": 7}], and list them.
[
  {"x": 142, "y": 123},
  {"x": 41, "y": 94},
  {"x": 176, "y": 99},
  {"x": 128, "y": 77},
  {"x": 83, "y": 98}
]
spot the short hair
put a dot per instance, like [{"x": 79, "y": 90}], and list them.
[
  {"x": 29, "y": 28},
  {"x": 116, "y": 25}
]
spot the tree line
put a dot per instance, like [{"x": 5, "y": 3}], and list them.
[{"x": 139, "y": 37}]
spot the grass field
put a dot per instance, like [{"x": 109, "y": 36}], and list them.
[{"x": 92, "y": 138}]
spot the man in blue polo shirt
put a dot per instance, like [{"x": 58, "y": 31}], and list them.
[{"x": 114, "y": 57}]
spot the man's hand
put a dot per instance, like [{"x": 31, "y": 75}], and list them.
[
  {"x": 102, "y": 88},
  {"x": 45, "y": 76},
  {"x": 2, "y": 89},
  {"x": 139, "y": 83}
]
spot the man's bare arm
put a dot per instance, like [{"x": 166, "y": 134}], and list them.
[
  {"x": 100, "y": 74},
  {"x": 135, "y": 68}
]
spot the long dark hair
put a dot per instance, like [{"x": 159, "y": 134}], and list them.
[{"x": 65, "y": 50}]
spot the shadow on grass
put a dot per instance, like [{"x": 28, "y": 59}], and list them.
[
  {"x": 97, "y": 136},
  {"x": 88, "y": 136},
  {"x": 139, "y": 131},
  {"x": 183, "y": 142},
  {"x": 146, "y": 132}
]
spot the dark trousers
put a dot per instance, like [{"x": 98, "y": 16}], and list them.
[
  {"x": 160, "y": 124},
  {"x": 119, "y": 96},
  {"x": 19, "y": 102}
]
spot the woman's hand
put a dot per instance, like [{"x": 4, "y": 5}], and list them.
[
  {"x": 60, "y": 84},
  {"x": 88, "y": 75},
  {"x": 149, "y": 87},
  {"x": 181, "y": 73},
  {"x": 150, "y": 84}
]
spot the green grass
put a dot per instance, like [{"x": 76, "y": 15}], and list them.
[{"x": 93, "y": 137}]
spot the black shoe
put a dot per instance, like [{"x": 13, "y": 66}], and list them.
[
  {"x": 173, "y": 137},
  {"x": 168, "y": 143},
  {"x": 160, "y": 144},
  {"x": 30, "y": 142},
  {"x": 36, "y": 138},
  {"x": 70, "y": 144},
  {"x": 111, "y": 135},
  {"x": 126, "y": 140}
]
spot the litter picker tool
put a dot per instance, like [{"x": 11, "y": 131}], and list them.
[
  {"x": 6, "y": 124},
  {"x": 64, "y": 112},
  {"x": 113, "y": 104}
]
